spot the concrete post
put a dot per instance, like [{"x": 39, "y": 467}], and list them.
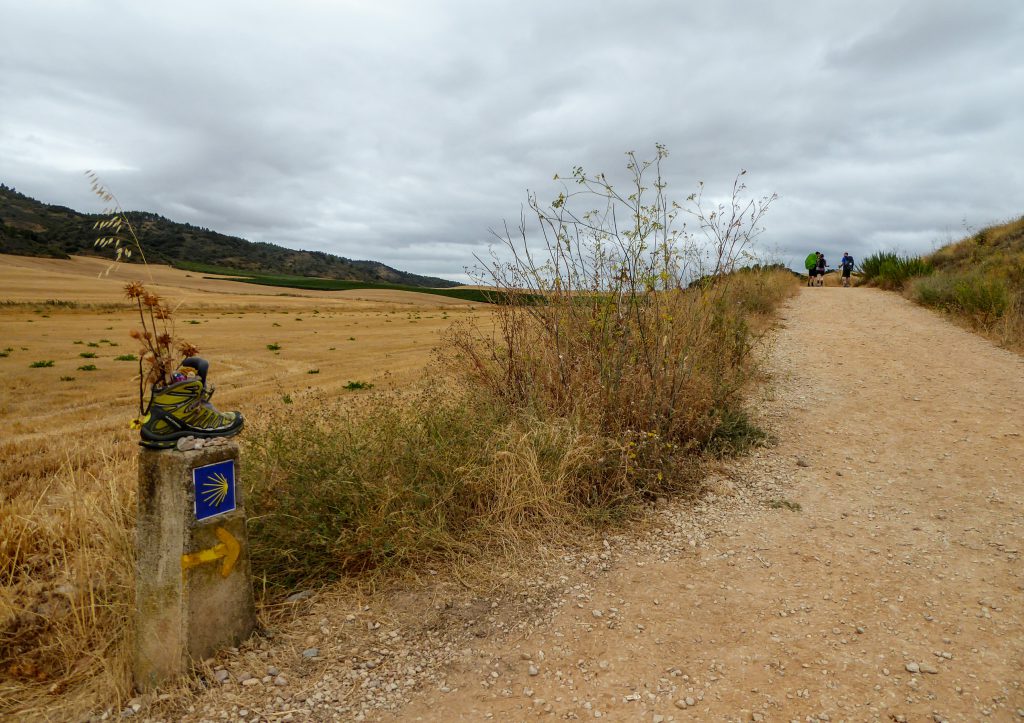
[{"x": 193, "y": 585}]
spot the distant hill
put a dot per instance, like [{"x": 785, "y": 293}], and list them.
[{"x": 31, "y": 228}]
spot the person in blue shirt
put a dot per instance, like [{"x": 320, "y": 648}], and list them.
[{"x": 847, "y": 267}]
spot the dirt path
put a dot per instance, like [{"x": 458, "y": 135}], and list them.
[
  {"x": 865, "y": 568},
  {"x": 894, "y": 592}
]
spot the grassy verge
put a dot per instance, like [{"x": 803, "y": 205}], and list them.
[{"x": 978, "y": 280}]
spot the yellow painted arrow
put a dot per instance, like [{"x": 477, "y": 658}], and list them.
[{"x": 227, "y": 549}]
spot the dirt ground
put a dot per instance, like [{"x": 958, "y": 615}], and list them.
[{"x": 894, "y": 592}]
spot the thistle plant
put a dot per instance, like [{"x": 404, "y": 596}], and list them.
[{"x": 157, "y": 358}]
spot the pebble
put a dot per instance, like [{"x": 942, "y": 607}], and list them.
[
  {"x": 533, "y": 670},
  {"x": 311, "y": 652},
  {"x": 280, "y": 680},
  {"x": 221, "y": 676},
  {"x": 913, "y": 668}
]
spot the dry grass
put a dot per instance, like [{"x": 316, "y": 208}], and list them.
[
  {"x": 980, "y": 281},
  {"x": 68, "y": 460},
  {"x": 66, "y": 576}
]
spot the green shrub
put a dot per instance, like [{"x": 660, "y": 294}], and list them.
[
  {"x": 41, "y": 364},
  {"x": 87, "y": 368},
  {"x": 890, "y": 270},
  {"x": 126, "y": 357},
  {"x": 352, "y": 386},
  {"x": 88, "y": 355},
  {"x": 274, "y": 347}
]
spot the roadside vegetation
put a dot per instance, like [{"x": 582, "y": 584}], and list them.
[
  {"x": 602, "y": 382},
  {"x": 979, "y": 280}
]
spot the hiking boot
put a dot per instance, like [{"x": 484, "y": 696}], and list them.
[{"x": 183, "y": 409}]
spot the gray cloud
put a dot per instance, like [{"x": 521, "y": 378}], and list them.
[{"x": 402, "y": 132}]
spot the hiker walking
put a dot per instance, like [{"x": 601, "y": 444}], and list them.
[
  {"x": 847, "y": 267},
  {"x": 822, "y": 265},
  {"x": 811, "y": 264}
]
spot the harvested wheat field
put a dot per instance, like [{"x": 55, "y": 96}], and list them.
[
  {"x": 73, "y": 314},
  {"x": 67, "y": 457}
]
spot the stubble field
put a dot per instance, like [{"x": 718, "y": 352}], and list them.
[{"x": 67, "y": 456}]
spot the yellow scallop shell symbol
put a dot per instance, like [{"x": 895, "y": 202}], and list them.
[{"x": 215, "y": 489}]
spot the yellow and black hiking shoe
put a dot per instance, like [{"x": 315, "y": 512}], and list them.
[{"x": 183, "y": 409}]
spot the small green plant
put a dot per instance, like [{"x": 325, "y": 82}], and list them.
[
  {"x": 41, "y": 364},
  {"x": 4, "y": 353},
  {"x": 313, "y": 371},
  {"x": 191, "y": 321},
  {"x": 87, "y": 355},
  {"x": 274, "y": 347},
  {"x": 87, "y": 368},
  {"x": 93, "y": 344},
  {"x": 352, "y": 386},
  {"x": 735, "y": 433},
  {"x": 126, "y": 357},
  {"x": 780, "y": 503},
  {"x": 79, "y": 341},
  {"x": 67, "y": 379},
  {"x": 286, "y": 398},
  {"x": 351, "y": 338}
]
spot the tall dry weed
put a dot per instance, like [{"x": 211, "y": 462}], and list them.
[{"x": 603, "y": 320}]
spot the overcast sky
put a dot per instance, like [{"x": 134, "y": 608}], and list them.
[{"x": 403, "y": 131}]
